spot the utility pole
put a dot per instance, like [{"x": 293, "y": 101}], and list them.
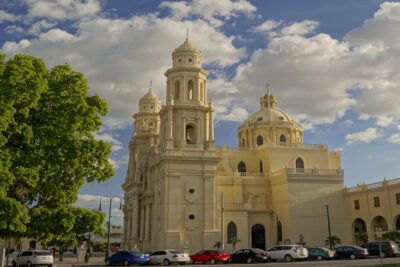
[
  {"x": 222, "y": 222},
  {"x": 329, "y": 227}
]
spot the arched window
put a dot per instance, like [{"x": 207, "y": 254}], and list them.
[
  {"x": 282, "y": 139},
  {"x": 397, "y": 224},
  {"x": 190, "y": 90},
  {"x": 260, "y": 140},
  {"x": 243, "y": 143},
  {"x": 299, "y": 163},
  {"x": 231, "y": 232},
  {"x": 359, "y": 226},
  {"x": 201, "y": 92},
  {"x": 261, "y": 166},
  {"x": 241, "y": 167},
  {"x": 190, "y": 134},
  {"x": 177, "y": 89}
]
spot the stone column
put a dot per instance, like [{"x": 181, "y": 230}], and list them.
[
  {"x": 147, "y": 228},
  {"x": 142, "y": 227},
  {"x": 136, "y": 222},
  {"x": 210, "y": 125}
]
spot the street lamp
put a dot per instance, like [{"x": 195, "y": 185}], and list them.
[
  {"x": 277, "y": 228},
  {"x": 109, "y": 222},
  {"x": 329, "y": 228}
]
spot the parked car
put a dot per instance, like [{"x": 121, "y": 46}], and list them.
[
  {"x": 288, "y": 252},
  {"x": 34, "y": 257},
  {"x": 210, "y": 256},
  {"x": 250, "y": 255},
  {"x": 388, "y": 248},
  {"x": 168, "y": 256},
  {"x": 126, "y": 258},
  {"x": 350, "y": 252},
  {"x": 320, "y": 253}
]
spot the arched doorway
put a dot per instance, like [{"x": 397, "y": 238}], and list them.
[
  {"x": 397, "y": 223},
  {"x": 379, "y": 223},
  {"x": 260, "y": 140},
  {"x": 359, "y": 230},
  {"x": 279, "y": 233},
  {"x": 258, "y": 236}
]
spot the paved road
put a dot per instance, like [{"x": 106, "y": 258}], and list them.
[{"x": 372, "y": 262}]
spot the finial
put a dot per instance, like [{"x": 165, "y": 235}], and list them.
[
  {"x": 151, "y": 84},
  {"x": 187, "y": 34}
]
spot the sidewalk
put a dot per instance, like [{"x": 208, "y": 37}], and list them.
[{"x": 94, "y": 261}]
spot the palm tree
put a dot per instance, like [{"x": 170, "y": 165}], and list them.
[
  {"x": 234, "y": 241},
  {"x": 334, "y": 240},
  {"x": 217, "y": 245}
]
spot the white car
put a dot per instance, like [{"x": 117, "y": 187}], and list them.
[
  {"x": 168, "y": 256},
  {"x": 33, "y": 257},
  {"x": 288, "y": 252}
]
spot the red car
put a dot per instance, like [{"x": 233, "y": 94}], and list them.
[{"x": 211, "y": 256}]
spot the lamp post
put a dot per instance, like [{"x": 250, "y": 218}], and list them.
[
  {"x": 109, "y": 222},
  {"x": 329, "y": 227},
  {"x": 277, "y": 228}
]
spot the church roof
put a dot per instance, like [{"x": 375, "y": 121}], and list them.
[
  {"x": 186, "y": 47},
  {"x": 150, "y": 96}
]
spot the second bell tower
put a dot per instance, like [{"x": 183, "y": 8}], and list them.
[{"x": 188, "y": 116}]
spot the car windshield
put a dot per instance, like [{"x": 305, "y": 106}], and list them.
[
  {"x": 257, "y": 250},
  {"x": 42, "y": 253},
  {"x": 175, "y": 252}
]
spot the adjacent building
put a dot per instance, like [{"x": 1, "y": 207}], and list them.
[{"x": 182, "y": 192}]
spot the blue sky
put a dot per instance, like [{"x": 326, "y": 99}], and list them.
[{"x": 332, "y": 64}]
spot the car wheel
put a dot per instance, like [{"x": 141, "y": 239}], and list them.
[
  {"x": 166, "y": 262},
  {"x": 288, "y": 258},
  {"x": 383, "y": 255},
  {"x": 352, "y": 257},
  {"x": 126, "y": 263},
  {"x": 50, "y": 265},
  {"x": 319, "y": 258},
  {"x": 29, "y": 264},
  {"x": 249, "y": 260},
  {"x": 212, "y": 261},
  {"x": 182, "y": 263},
  {"x": 108, "y": 263},
  {"x": 14, "y": 264}
]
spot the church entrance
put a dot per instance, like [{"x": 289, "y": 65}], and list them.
[{"x": 258, "y": 236}]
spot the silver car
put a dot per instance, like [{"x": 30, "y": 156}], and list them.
[
  {"x": 34, "y": 257},
  {"x": 168, "y": 256}
]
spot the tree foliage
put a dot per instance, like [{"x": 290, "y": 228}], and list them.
[
  {"x": 47, "y": 149},
  {"x": 361, "y": 237},
  {"x": 334, "y": 240},
  {"x": 392, "y": 235}
]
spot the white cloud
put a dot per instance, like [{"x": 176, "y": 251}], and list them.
[
  {"x": 120, "y": 56},
  {"x": 213, "y": 11},
  {"x": 107, "y": 137},
  {"x": 266, "y": 26},
  {"x": 62, "y": 9},
  {"x": 123, "y": 160},
  {"x": 384, "y": 121},
  {"x": 40, "y": 25},
  {"x": 5, "y": 16},
  {"x": 366, "y": 136},
  {"x": 13, "y": 29},
  {"x": 300, "y": 28},
  {"x": 87, "y": 198},
  {"x": 395, "y": 138}
]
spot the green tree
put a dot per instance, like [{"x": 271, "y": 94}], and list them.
[
  {"x": 361, "y": 237},
  {"x": 234, "y": 240},
  {"x": 217, "y": 245},
  {"x": 392, "y": 235},
  {"x": 47, "y": 149},
  {"x": 335, "y": 240}
]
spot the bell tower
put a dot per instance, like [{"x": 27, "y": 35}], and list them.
[{"x": 188, "y": 115}]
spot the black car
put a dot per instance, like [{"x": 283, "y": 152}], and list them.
[
  {"x": 351, "y": 252},
  {"x": 388, "y": 248},
  {"x": 250, "y": 255}
]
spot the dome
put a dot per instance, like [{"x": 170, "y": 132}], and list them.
[
  {"x": 269, "y": 115},
  {"x": 150, "y": 96},
  {"x": 186, "y": 47}
]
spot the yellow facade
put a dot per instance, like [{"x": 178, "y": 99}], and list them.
[{"x": 275, "y": 188}]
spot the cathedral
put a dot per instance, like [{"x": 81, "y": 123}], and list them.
[{"x": 181, "y": 192}]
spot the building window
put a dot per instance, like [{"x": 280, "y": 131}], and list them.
[
  {"x": 356, "y": 204},
  {"x": 190, "y": 90},
  {"x": 376, "y": 202},
  {"x": 299, "y": 163},
  {"x": 190, "y": 134},
  {"x": 398, "y": 199},
  {"x": 177, "y": 88},
  {"x": 243, "y": 143},
  {"x": 261, "y": 167},
  {"x": 260, "y": 140},
  {"x": 231, "y": 232},
  {"x": 282, "y": 139},
  {"x": 191, "y": 190},
  {"x": 191, "y": 217},
  {"x": 241, "y": 167}
]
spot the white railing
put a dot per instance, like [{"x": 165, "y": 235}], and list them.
[
  {"x": 308, "y": 172},
  {"x": 241, "y": 174},
  {"x": 383, "y": 183}
]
